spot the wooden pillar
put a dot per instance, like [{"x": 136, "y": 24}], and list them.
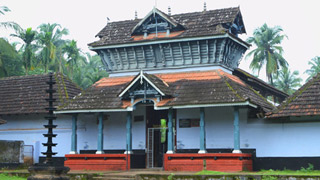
[
  {"x": 170, "y": 132},
  {"x": 100, "y": 134},
  {"x": 236, "y": 131},
  {"x": 202, "y": 132},
  {"x": 74, "y": 135},
  {"x": 129, "y": 133}
]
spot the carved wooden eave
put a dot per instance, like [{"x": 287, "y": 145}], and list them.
[{"x": 222, "y": 50}]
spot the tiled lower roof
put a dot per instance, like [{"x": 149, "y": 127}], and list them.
[
  {"x": 27, "y": 94},
  {"x": 304, "y": 102},
  {"x": 188, "y": 88}
]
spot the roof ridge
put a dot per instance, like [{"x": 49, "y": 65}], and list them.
[
  {"x": 229, "y": 85},
  {"x": 171, "y": 16},
  {"x": 23, "y": 76}
]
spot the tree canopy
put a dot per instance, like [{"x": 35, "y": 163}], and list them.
[
  {"x": 288, "y": 82},
  {"x": 315, "y": 67},
  {"x": 268, "y": 51}
]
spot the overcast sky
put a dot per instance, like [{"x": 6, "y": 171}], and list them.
[{"x": 85, "y": 18}]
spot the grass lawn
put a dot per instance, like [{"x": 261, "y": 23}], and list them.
[{"x": 7, "y": 177}]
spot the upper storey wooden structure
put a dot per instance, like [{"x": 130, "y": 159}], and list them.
[{"x": 162, "y": 41}]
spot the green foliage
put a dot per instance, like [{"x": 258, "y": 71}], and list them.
[
  {"x": 207, "y": 172},
  {"x": 269, "y": 178},
  {"x": 11, "y": 25},
  {"x": 170, "y": 177},
  {"x": 268, "y": 51},
  {"x": 310, "y": 168},
  {"x": 315, "y": 67},
  {"x": 10, "y": 61},
  {"x": 8, "y": 177},
  {"x": 50, "y": 40},
  {"x": 27, "y": 36},
  {"x": 288, "y": 82},
  {"x": 89, "y": 73}
]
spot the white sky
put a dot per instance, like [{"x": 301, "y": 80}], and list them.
[{"x": 84, "y": 19}]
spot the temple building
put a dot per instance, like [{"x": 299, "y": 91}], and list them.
[
  {"x": 175, "y": 99},
  {"x": 175, "y": 96}
]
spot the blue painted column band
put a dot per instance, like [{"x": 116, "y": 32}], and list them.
[
  {"x": 74, "y": 135},
  {"x": 202, "y": 132},
  {"x": 129, "y": 133},
  {"x": 170, "y": 132},
  {"x": 236, "y": 131},
  {"x": 100, "y": 134}
]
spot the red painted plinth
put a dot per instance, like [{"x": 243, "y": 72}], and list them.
[
  {"x": 226, "y": 162},
  {"x": 99, "y": 162}
]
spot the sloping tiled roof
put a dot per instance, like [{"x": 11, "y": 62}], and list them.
[
  {"x": 304, "y": 102},
  {"x": 26, "y": 94},
  {"x": 259, "y": 84},
  {"x": 196, "y": 24},
  {"x": 188, "y": 88},
  {"x": 159, "y": 83}
]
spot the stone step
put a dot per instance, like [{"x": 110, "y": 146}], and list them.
[
  {"x": 149, "y": 169},
  {"x": 116, "y": 177}
]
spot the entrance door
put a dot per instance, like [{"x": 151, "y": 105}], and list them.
[{"x": 155, "y": 148}]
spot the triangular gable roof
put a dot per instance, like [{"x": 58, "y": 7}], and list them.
[
  {"x": 154, "y": 81},
  {"x": 153, "y": 12},
  {"x": 304, "y": 102}
]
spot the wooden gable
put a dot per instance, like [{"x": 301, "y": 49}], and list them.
[
  {"x": 156, "y": 22},
  {"x": 145, "y": 86}
]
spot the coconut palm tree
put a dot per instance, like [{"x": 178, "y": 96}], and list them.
[
  {"x": 73, "y": 54},
  {"x": 50, "y": 37},
  {"x": 268, "y": 51},
  {"x": 288, "y": 82},
  {"x": 12, "y": 25},
  {"x": 27, "y": 36},
  {"x": 315, "y": 67}
]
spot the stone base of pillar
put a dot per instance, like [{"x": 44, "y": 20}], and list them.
[
  {"x": 73, "y": 152},
  {"x": 128, "y": 152},
  {"x": 202, "y": 151},
  {"x": 100, "y": 152},
  {"x": 236, "y": 151},
  {"x": 169, "y": 152}
]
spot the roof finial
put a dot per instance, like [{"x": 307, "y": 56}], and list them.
[
  {"x": 204, "y": 6},
  {"x": 169, "y": 10},
  {"x": 136, "y": 15}
]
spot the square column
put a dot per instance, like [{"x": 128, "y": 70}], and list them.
[
  {"x": 236, "y": 131},
  {"x": 129, "y": 134},
  {"x": 170, "y": 132},
  {"x": 100, "y": 134},
  {"x": 202, "y": 132},
  {"x": 74, "y": 135}
]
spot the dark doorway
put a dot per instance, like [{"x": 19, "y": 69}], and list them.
[{"x": 155, "y": 148}]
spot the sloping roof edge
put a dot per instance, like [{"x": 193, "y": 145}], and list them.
[{"x": 276, "y": 114}]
